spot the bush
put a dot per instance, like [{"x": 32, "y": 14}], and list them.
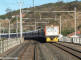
[{"x": 67, "y": 31}]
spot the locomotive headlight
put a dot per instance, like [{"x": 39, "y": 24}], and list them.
[{"x": 48, "y": 39}]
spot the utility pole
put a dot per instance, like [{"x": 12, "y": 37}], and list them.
[
  {"x": 9, "y": 30},
  {"x": 17, "y": 26},
  {"x": 21, "y": 29},
  {"x": 40, "y": 16},
  {"x": 3, "y": 30},
  {"x": 35, "y": 24},
  {"x": 34, "y": 14},
  {"x": 60, "y": 25},
  {"x": 55, "y": 18},
  {"x": 75, "y": 20},
  {"x": 8, "y": 33},
  {"x": 0, "y": 30}
]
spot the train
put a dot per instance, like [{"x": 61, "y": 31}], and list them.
[
  {"x": 47, "y": 34},
  {"x": 51, "y": 33}
]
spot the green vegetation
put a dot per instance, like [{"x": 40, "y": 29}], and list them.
[
  {"x": 67, "y": 31},
  {"x": 59, "y": 6},
  {"x": 49, "y": 6}
]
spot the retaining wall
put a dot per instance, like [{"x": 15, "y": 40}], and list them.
[{"x": 6, "y": 44}]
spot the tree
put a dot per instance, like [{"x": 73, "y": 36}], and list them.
[
  {"x": 8, "y": 10},
  {"x": 76, "y": 0}
]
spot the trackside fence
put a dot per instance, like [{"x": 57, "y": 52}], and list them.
[
  {"x": 72, "y": 40},
  {"x": 6, "y": 44}
]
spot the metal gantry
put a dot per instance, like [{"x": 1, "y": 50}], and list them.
[
  {"x": 21, "y": 27},
  {"x": 53, "y": 18}
]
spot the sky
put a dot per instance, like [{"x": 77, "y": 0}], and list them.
[{"x": 14, "y": 4}]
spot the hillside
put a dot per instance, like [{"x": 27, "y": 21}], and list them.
[{"x": 67, "y": 18}]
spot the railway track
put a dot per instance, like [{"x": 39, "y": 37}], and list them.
[
  {"x": 29, "y": 53},
  {"x": 71, "y": 51},
  {"x": 45, "y": 54},
  {"x": 51, "y": 52},
  {"x": 13, "y": 54},
  {"x": 38, "y": 51},
  {"x": 71, "y": 45},
  {"x": 26, "y": 51}
]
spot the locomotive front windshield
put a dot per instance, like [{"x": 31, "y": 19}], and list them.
[{"x": 52, "y": 31}]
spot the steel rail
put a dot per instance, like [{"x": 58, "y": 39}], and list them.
[{"x": 71, "y": 51}]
